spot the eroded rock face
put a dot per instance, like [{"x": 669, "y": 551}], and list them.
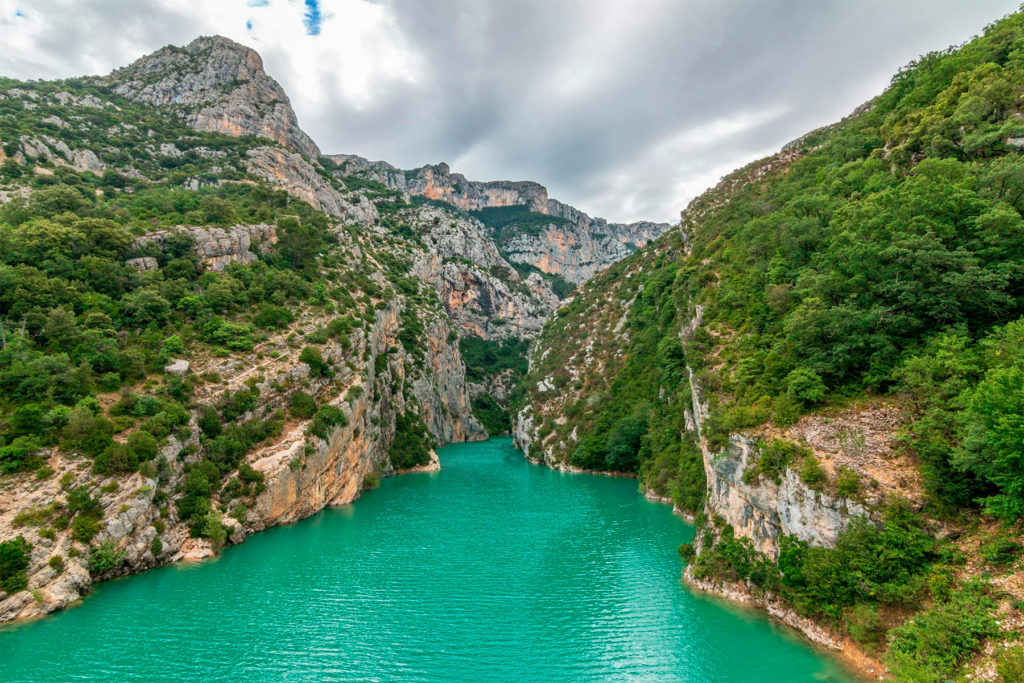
[
  {"x": 217, "y": 247},
  {"x": 481, "y": 305},
  {"x": 763, "y": 510},
  {"x": 439, "y": 183},
  {"x": 57, "y": 152},
  {"x": 451, "y": 236},
  {"x": 481, "y": 291},
  {"x": 577, "y": 251},
  {"x": 297, "y": 176},
  {"x": 218, "y": 86},
  {"x": 443, "y": 394},
  {"x": 300, "y": 480},
  {"x": 575, "y": 247}
]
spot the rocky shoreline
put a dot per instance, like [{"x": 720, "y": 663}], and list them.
[{"x": 847, "y": 651}]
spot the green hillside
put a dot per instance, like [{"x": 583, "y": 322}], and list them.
[{"x": 879, "y": 257}]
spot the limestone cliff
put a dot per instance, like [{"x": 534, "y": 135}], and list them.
[
  {"x": 219, "y": 86},
  {"x": 479, "y": 289},
  {"x": 302, "y": 473},
  {"x": 299, "y": 178},
  {"x": 573, "y": 246},
  {"x": 761, "y": 509},
  {"x": 217, "y": 247}
]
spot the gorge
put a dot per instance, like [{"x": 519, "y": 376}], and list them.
[
  {"x": 399, "y": 585},
  {"x": 210, "y": 328}
]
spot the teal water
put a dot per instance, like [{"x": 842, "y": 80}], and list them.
[{"x": 490, "y": 570}]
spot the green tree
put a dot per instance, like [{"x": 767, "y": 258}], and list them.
[
  {"x": 623, "y": 446},
  {"x": 993, "y": 445},
  {"x": 14, "y": 562}
]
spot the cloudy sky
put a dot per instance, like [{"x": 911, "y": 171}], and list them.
[{"x": 624, "y": 108}]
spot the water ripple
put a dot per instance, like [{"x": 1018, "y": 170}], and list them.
[{"x": 491, "y": 570}]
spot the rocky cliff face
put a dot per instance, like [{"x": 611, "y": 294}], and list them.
[
  {"x": 219, "y": 86},
  {"x": 574, "y": 248},
  {"x": 763, "y": 510},
  {"x": 479, "y": 289},
  {"x": 217, "y": 247},
  {"x": 437, "y": 182},
  {"x": 302, "y": 473},
  {"x": 299, "y": 178}
]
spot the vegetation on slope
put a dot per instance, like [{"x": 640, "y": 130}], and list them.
[
  {"x": 489, "y": 361},
  {"x": 85, "y": 334},
  {"x": 507, "y": 222},
  {"x": 880, "y": 256}
]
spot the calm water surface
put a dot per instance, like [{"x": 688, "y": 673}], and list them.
[{"x": 490, "y": 570}]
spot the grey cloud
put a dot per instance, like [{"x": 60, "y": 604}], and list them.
[{"x": 560, "y": 93}]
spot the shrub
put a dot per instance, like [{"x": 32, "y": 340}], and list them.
[
  {"x": 117, "y": 457},
  {"x": 214, "y": 530},
  {"x": 1010, "y": 664},
  {"x": 865, "y": 625},
  {"x": 1000, "y": 551},
  {"x": 14, "y": 560},
  {"x": 84, "y": 528},
  {"x": 847, "y": 482},
  {"x": 312, "y": 357},
  {"x": 325, "y": 419},
  {"x": 933, "y": 644},
  {"x": 622, "y": 448},
  {"x": 776, "y": 456},
  {"x": 805, "y": 386},
  {"x": 105, "y": 558},
  {"x": 209, "y": 421},
  {"x": 994, "y": 439},
  {"x": 142, "y": 445},
  {"x": 21, "y": 454},
  {"x": 56, "y": 563},
  {"x": 303, "y": 406},
  {"x": 273, "y": 317},
  {"x": 811, "y": 472},
  {"x": 410, "y": 446}
]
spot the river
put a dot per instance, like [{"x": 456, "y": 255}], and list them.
[{"x": 492, "y": 569}]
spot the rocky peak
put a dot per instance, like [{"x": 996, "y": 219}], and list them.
[
  {"x": 574, "y": 246},
  {"x": 436, "y": 181},
  {"x": 218, "y": 86}
]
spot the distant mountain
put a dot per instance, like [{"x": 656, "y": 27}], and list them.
[{"x": 530, "y": 227}]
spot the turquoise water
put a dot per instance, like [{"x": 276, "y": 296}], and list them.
[{"x": 490, "y": 570}]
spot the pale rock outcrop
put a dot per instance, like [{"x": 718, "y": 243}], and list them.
[
  {"x": 482, "y": 305},
  {"x": 58, "y": 153},
  {"x": 479, "y": 289},
  {"x": 142, "y": 263},
  {"x": 763, "y": 510},
  {"x": 443, "y": 394},
  {"x": 178, "y": 366},
  {"x": 217, "y": 247},
  {"x": 453, "y": 236},
  {"x": 299, "y": 178}
]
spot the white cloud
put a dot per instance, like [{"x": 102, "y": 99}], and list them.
[{"x": 624, "y": 109}]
